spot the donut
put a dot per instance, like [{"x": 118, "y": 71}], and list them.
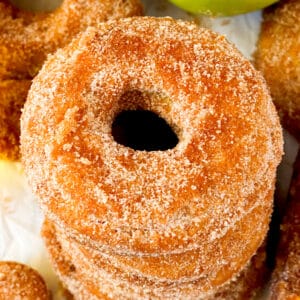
[
  {"x": 190, "y": 197},
  {"x": 18, "y": 281},
  {"x": 13, "y": 94},
  {"x": 84, "y": 281},
  {"x": 26, "y": 38},
  {"x": 278, "y": 58},
  {"x": 111, "y": 195},
  {"x": 285, "y": 282}
]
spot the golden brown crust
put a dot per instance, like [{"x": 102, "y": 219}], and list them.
[
  {"x": 18, "y": 281},
  {"x": 81, "y": 278},
  {"x": 26, "y": 38},
  {"x": 13, "y": 94},
  {"x": 278, "y": 57},
  {"x": 286, "y": 277}
]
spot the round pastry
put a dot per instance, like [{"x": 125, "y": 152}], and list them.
[
  {"x": 113, "y": 196},
  {"x": 18, "y": 281},
  {"x": 278, "y": 57},
  {"x": 26, "y": 38},
  {"x": 13, "y": 94},
  {"x": 80, "y": 277}
]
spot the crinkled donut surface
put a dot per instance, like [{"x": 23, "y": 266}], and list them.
[
  {"x": 114, "y": 197},
  {"x": 27, "y": 37}
]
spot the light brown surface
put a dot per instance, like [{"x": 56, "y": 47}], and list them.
[
  {"x": 13, "y": 94},
  {"x": 286, "y": 277},
  {"x": 278, "y": 57},
  {"x": 20, "y": 282},
  {"x": 26, "y": 38}
]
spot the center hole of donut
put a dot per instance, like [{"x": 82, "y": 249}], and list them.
[
  {"x": 143, "y": 130},
  {"x": 37, "y": 5}
]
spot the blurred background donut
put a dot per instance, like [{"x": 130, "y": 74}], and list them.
[
  {"x": 278, "y": 58},
  {"x": 18, "y": 281},
  {"x": 26, "y": 38}
]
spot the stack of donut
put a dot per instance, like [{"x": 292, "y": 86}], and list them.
[
  {"x": 26, "y": 38},
  {"x": 179, "y": 223}
]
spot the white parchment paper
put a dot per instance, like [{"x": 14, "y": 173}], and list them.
[{"x": 20, "y": 216}]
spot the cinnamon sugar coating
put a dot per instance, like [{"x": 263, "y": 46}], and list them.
[
  {"x": 85, "y": 283},
  {"x": 26, "y": 38},
  {"x": 286, "y": 277},
  {"x": 278, "y": 57},
  {"x": 13, "y": 94},
  {"x": 18, "y": 281}
]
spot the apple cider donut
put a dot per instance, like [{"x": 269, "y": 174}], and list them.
[
  {"x": 112, "y": 196},
  {"x": 26, "y": 38},
  {"x": 13, "y": 94},
  {"x": 278, "y": 57},
  {"x": 18, "y": 281}
]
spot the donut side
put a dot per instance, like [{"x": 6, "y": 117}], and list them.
[{"x": 81, "y": 280}]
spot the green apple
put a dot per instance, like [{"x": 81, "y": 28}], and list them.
[{"x": 221, "y": 7}]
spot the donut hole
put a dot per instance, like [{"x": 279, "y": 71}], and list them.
[
  {"x": 36, "y": 5},
  {"x": 143, "y": 130}
]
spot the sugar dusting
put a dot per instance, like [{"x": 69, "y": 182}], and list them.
[{"x": 112, "y": 197}]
